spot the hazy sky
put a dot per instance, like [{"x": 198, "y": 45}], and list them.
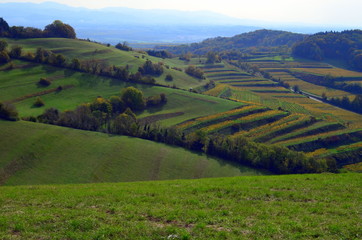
[{"x": 326, "y": 12}]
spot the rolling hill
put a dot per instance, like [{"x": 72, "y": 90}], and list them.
[
  {"x": 258, "y": 38},
  {"x": 33, "y": 153}
]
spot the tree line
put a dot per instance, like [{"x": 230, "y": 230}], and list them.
[{"x": 57, "y": 29}]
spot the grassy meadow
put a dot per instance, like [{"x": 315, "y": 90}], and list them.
[
  {"x": 20, "y": 85},
  {"x": 324, "y": 206},
  {"x": 33, "y": 153}
]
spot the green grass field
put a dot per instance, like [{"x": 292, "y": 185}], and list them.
[
  {"x": 324, "y": 206},
  {"x": 22, "y": 81},
  {"x": 33, "y": 153}
]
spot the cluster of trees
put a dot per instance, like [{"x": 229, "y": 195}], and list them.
[
  {"x": 123, "y": 46},
  {"x": 56, "y": 29},
  {"x": 195, "y": 72},
  {"x": 346, "y": 45},
  {"x": 151, "y": 68},
  {"x": 344, "y": 102},
  {"x": 160, "y": 54},
  {"x": 259, "y": 38},
  {"x": 113, "y": 115}
]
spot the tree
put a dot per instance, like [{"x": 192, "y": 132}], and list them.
[
  {"x": 75, "y": 64},
  {"x": 212, "y": 57},
  {"x": 168, "y": 77},
  {"x": 296, "y": 89},
  {"x": 3, "y": 45},
  {"x": 44, "y": 82},
  {"x": 39, "y": 55},
  {"x": 4, "y": 28},
  {"x": 123, "y": 46},
  {"x": 59, "y": 29},
  {"x": 195, "y": 72},
  {"x": 15, "y": 51},
  {"x": 118, "y": 105},
  {"x": 133, "y": 98},
  {"x": 60, "y": 60},
  {"x": 38, "y": 102},
  {"x": 4, "y": 57},
  {"x": 8, "y": 112}
]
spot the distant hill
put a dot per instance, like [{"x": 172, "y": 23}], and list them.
[
  {"x": 345, "y": 46},
  {"x": 258, "y": 38},
  {"x": 113, "y": 25}
]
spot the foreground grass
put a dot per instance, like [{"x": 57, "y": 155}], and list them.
[{"x": 325, "y": 206}]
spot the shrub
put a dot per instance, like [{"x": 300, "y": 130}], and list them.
[
  {"x": 195, "y": 72},
  {"x": 168, "y": 77},
  {"x": 38, "y": 102},
  {"x": 8, "y": 112},
  {"x": 44, "y": 82},
  {"x": 4, "y": 57}
]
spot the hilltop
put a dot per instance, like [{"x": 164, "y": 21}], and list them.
[{"x": 259, "y": 38}]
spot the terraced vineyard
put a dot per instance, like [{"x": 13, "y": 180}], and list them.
[{"x": 297, "y": 121}]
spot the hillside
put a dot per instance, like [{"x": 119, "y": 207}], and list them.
[
  {"x": 258, "y": 38},
  {"x": 107, "y": 56},
  {"x": 241, "y": 106},
  {"x": 324, "y": 206},
  {"x": 33, "y": 153},
  {"x": 344, "y": 46}
]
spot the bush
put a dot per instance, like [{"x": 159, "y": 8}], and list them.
[
  {"x": 8, "y": 112},
  {"x": 195, "y": 72},
  {"x": 168, "y": 77},
  {"x": 38, "y": 102},
  {"x": 4, "y": 57},
  {"x": 44, "y": 82}
]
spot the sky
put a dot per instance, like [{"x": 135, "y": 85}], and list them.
[{"x": 311, "y": 12}]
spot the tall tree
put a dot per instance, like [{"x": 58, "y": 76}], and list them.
[{"x": 59, "y": 29}]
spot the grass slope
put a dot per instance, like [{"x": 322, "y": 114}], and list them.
[
  {"x": 33, "y": 153},
  {"x": 325, "y": 206},
  {"x": 85, "y": 50},
  {"x": 23, "y": 80}
]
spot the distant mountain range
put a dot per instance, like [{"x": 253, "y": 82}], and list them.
[{"x": 113, "y": 25}]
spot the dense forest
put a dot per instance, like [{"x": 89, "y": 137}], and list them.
[
  {"x": 346, "y": 45},
  {"x": 259, "y": 38},
  {"x": 55, "y": 29}
]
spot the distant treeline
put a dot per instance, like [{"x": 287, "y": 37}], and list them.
[
  {"x": 57, "y": 29},
  {"x": 346, "y": 45},
  {"x": 259, "y": 38}
]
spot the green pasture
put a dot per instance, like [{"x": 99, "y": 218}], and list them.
[
  {"x": 34, "y": 153},
  {"x": 323, "y": 206}
]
